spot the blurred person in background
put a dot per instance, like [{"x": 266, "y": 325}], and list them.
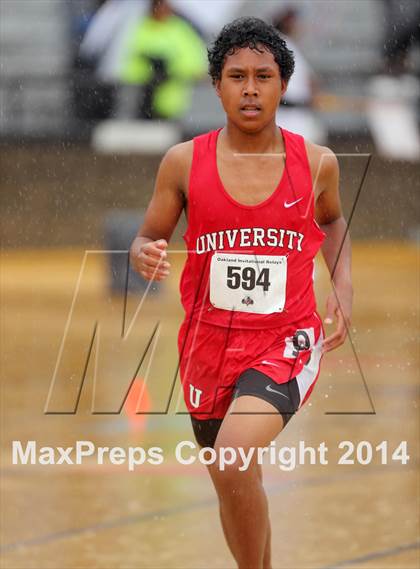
[
  {"x": 81, "y": 14},
  {"x": 394, "y": 96},
  {"x": 120, "y": 42},
  {"x": 402, "y": 33},
  {"x": 296, "y": 111},
  {"x": 165, "y": 54},
  {"x": 93, "y": 98}
]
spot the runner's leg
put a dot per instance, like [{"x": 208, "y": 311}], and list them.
[
  {"x": 229, "y": 538},
  {"x": 250, "y": 422}
]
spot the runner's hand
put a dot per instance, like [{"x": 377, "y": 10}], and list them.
[
  {"x": 151, "y": 260},
  {"x": 339, "y": 305}
]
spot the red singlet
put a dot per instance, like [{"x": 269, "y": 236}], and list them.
[{"x": 250, "y": 266}]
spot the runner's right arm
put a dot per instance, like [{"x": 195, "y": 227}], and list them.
[{"x": 148, "y": 251}]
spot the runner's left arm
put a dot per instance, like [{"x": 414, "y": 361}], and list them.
[{"x": 336, "y": 249}]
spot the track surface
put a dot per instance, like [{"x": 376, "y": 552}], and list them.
[{"x": 103, "y": 516}]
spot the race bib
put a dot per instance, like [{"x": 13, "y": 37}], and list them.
[{"x": 248, "y": 283}]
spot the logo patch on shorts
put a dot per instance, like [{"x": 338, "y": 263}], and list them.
[{"x": 302, "y": 340}]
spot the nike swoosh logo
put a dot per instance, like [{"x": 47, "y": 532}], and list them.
[
  {"x": 268, "y": 388},
  {"x": 287, "y": 205},
  {"x": 266, "y": 362}
]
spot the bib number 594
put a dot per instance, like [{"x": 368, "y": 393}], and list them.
[{"x": 247, "y": 278}]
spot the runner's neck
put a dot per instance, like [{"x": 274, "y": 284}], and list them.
[{"x": 269, "y": 140}]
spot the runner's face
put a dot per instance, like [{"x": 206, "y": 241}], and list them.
[{"x": 250, "y": 88}]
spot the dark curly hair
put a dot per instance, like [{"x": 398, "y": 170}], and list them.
[{"x": 253, "y": 33}]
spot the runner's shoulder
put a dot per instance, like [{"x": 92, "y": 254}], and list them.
[
  {"x": 180, "y": 155},
  {"x": 322, "y": 160},
  {"x": 177, "y": 161}
]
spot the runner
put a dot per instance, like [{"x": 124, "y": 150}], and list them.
[{"x": 260, "y": 202}]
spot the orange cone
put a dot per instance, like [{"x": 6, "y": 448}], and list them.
[{"x": 137, "y": 405}]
